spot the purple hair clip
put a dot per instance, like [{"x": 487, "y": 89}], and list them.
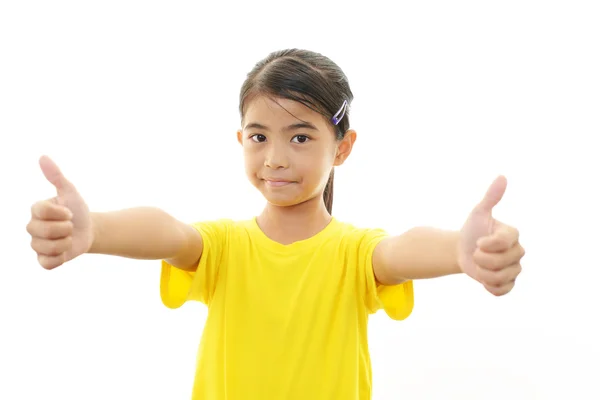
[{"x": 340, "y": 114}]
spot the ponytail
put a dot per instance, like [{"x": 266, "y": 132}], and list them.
[{"x": 328, "y": 193}]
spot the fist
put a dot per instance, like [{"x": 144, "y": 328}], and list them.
[
  {"x": 498, "y": 259},
  {"x": 51, "y": 230},
  {"x": 60, "y": 227},
  {"x": 489, "y": 250}
]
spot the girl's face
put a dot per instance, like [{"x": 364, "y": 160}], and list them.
[{"x": 289, "y": 150}]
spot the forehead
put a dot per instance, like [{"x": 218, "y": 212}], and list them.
[{"x": 278, "y": 113}]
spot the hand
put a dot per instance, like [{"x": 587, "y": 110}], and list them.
[
  {"x": 60, "y": 227},
  {"x": 488, "y": 250}
]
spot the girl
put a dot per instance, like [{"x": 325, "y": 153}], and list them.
[{"x": 290, "y": 291}]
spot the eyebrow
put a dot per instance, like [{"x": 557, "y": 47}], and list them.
[{"x": 300, "y": 125}]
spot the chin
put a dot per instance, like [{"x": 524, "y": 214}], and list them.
[
  {"x": 289, "y": 200},
  {"x": 281, "y": 200}
]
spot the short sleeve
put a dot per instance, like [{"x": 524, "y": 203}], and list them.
[
  {"x": 178, "y": 286},
  {"x": 396, "y": 300}
]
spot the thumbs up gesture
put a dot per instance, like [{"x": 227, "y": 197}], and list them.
[
  {"x": 60, "y": 227},
  {"x": 488, "y": 250}
]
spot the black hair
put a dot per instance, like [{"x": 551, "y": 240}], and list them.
[{"x": 306, "y": 77}]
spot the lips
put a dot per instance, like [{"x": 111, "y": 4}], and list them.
[{"x": 277, "y": 182}]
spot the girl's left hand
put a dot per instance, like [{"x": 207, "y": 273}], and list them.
[{"x": 488, "y": 250}]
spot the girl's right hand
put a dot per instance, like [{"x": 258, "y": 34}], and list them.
[{"x": 61, "y": 227}]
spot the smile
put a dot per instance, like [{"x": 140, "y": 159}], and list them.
[{"x": 277, "y": 183}]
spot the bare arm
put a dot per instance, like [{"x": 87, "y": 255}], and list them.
[
  {"x": 419, "y": 253},
  {"x": 146, "y": 233}
]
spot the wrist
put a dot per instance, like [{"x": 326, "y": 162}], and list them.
[{"x": 95, "y": 232}]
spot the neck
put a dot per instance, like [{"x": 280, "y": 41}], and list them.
[{"x": 292, "y": 223}]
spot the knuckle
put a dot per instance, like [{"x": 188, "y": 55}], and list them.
[
  {"x": 494, "y": 262},
  {"x": 509, "y": 287},
  {"x": 53, "y": 248},
  {"x": 49, "y": 262},
  {"x": 497, "y": 291},
  {"x": 39, "y": 245},
  {"x": 504, "y": 238},
  {"x": 35, "y": 209},
  {"x": 44, "y": 262},
  {"x": 492, "y": 289},
  {"x": 506, "y": 288},
  {"x": 68, "y": 228},
  {"x": 43, "y": 210},
  {"x": 34, "y": 227},
  {"x": 29, "y": 227},
  {"x": 57, "y": 247},
  {"x": 517, "y": 271},
  {"x": 496, "y": 280},
  {"x": 54, "y": 230},
  {"x": 480, "y": 258},
  {"x": 49, "y": 265},
  {"x": 515, "y": 233},
  {"x": 46, "y": 230}
]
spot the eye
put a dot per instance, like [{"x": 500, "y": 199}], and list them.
[
  {"x": 301, "y": 138},
  {"x": 258, "y": 138}
]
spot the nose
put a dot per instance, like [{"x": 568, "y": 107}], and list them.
[{"x": 276, "y": 157}]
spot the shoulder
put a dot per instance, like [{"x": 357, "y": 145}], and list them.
[
  {"x": 221, "y": 223},
  {"x": 360, "y": 237},
  {"x": 222, "y": 227},
  {"x": 356, "y": 232}
]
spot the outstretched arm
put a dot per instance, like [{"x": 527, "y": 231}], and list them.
[
  {"x": 63, "y": 228},
  {"x": 484, "y": 249},
  {"x": 146, "y": 233},
  {"x": 419, "y": 253}
]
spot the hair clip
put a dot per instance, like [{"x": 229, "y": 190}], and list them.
[{"x": 340, "y": 114}]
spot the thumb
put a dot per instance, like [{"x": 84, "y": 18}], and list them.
[
  {"x": 54, "y": 176},
  {"x": 493, "y": 195}
]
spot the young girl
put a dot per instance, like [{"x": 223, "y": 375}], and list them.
[{"x": 290, "y": 291}]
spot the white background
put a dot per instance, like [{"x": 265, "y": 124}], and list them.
[{"x": 137, "y": 102}]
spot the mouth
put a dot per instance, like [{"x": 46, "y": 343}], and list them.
[{"x": 277, "y": 182}]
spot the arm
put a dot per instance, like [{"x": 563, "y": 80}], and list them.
[
  {"x": 146, "y": 233},
  {"x": 485, "y": 249},
  {"x": 419, "y": 253}
]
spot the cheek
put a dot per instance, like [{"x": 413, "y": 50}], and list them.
[
  {"x": 251, "y": 156},
  {"x": 251, "y": 163},
  {"x": 316, "y": 169}
]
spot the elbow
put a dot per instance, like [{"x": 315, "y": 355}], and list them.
[
  {"x": 188, "y": 250},
  {"x": 387, "y": 269}
]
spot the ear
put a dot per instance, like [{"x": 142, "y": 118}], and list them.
[
  {"x": 344, "y": 147},
  {"x": 239, "y": 136}
]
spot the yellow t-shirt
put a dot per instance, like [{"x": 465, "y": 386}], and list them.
[{"x": 284, "y": 321}]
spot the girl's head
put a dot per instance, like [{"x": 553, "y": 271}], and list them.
[{"x": 294, "y": 107}]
